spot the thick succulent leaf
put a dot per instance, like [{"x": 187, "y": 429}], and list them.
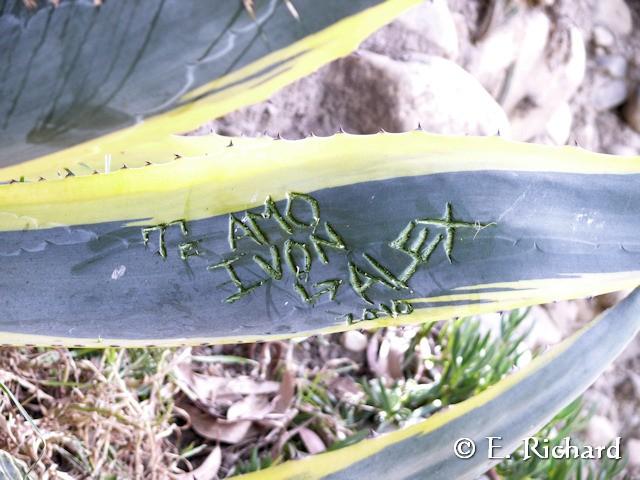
[
  {"x": 513, "y": 409},
  {"x": 377, "y": 230},
  {"x": 13, "y": 469},
  {"x": 85, "y": 76}
]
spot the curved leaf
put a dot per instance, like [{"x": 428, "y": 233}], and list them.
[
  {"x": 76, "y": 72},
  {"x": 512, "y": 409},
  {"x": 381, "y": 230},
  {"x": 13, "y": 469}
]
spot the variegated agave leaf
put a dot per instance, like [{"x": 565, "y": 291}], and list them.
[
  {"x": 271, "y": 238},
  {"x": 77, "y": 79}
]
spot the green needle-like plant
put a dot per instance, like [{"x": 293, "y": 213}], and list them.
[
  {"x": 565, "y": 424},
  {"x": 471, "y": 361}
]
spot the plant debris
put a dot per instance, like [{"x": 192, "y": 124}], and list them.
[{"x": 214, "y": 412}]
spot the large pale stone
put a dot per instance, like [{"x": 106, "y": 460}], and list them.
[
  {"x": 520, "y": 39},
  {"x": 539, "y": 88},
  {"x": 608, "y": 93},
  {"x": 355, "y": 341},
  {"x": 558, "y": 127},
  {"x": 615, "y": 15},
  {"x": 373, "y": 92},
  {"x": 555, "y": 79},
  {"x": 613, "y": 65},
  {"x": 426, "y": 28}
]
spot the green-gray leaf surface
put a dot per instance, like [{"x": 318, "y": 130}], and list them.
[
  {"x": 12, "y": 469},
  {"x": 74, "y": 72},
  {"x": 380, "y": 231}
]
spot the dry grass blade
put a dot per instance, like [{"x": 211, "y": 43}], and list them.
[
  {"x": 105, "y": 411},
  {"x": 286, "y": 392},
  {"x": 248, "y": 5}
]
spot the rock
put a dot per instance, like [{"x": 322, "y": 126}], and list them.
[
  {"x": 554, "y": 79},
  {"x": 603, "y": 37},
  {"x": 633, "y": 452},
  {"x": 600, "y": 431},
  {"x": 490, "y": 323},
  {"x": 522, "y": 38},
  {"x": 583, "y": 132},
  {"x": 543, "y": 331},
  {"x": 528, "y": 121},
  {"x": 293, "y": 112},
  {"x": 531, "y": 55},
  {"x": 631, "y": 111},
  {"x": 354, "y": 341},
  {"x": 615, "y": 15},
  {"x": 558, "y": 127},
  {"x": 613, "y": 65},
  {"x": 373, "y": 92},
  {"x": 426, "y": 28},
  {"x": 608, "y": 93},
  {"x": 537, "y": 88},
  {"x": 366, "y": 92}
]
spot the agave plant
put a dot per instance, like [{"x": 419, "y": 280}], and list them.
[{"x": 118, "y": 229}]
